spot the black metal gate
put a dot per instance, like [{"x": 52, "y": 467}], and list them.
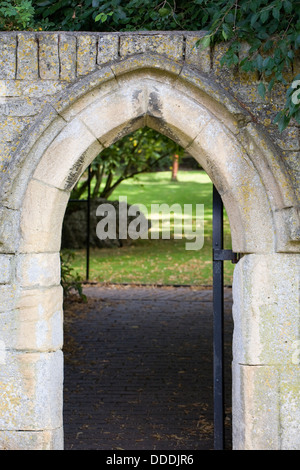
[{"x": 219, "y": 256}]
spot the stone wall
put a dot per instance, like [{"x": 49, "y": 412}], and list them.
[
  {"x": 36, "y": 66},
  {"x": 66, "y": 96}
]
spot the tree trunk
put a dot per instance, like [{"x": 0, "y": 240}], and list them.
[{"x": 175, "y": 167}]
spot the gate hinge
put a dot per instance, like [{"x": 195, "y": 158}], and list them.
[{"x": 225, "y": 255}]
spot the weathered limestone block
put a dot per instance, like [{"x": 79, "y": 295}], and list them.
[
  {"x": 287, "y": 222},
  {"x": 266, "y": 309},
  {"x": 289, "y": 139},
  {"x": 266, "y": 413},
  {"x": 39, "y": 231},
  {"x": 108, "y": 48},
  {"x": 67, "y": 57},
  {"x": 124, "y": 112},
  {"x": 6, "y": 269},
  {"x": 9, "y": 294},
  {"x": 31, "y": 387},
  {"x": 12, "y": 126},
  {"x": 38, "y": 270},
  {"x": 89, "y": 98},
  {"x": 9, "y": 230},
  {"x": 19, "y": 107},
  {"x": 148, "y": 60},
  {"x": 48, "y": 56},
  {"x": 8, "y": 55},
  {"x": 78, "y": 94},
  {"x": 168, "y": 44},
  {"x": 196, "y": 54},
  {"x": 214, "y": 98},
  {"x": 37, "y": 138},
  {"x": 27, "y": 56},
  {"x": 266, "y": 352},
  {"x": 267, "y": 160},
  {"x": 292, "y": 163},
  {"x": 82, "y": 147},
  {"x": 256, "y": 407},
  {"x": 36, "y": 323},
  {"x": 86, "y": 54},
  {"x": 27, "y": 89},
  {"x": 174, "y": 113},
  {"x": 32, "y": 440},
  {"x": 290, "y": 410}
]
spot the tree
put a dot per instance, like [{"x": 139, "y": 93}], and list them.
[
  {"x": 175, "y": 167},
  {"x": 142, "y": 151}
]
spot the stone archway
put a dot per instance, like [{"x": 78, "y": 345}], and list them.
[{"x": 243, "y": 164}]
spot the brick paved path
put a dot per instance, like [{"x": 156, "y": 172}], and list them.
[{"x": 138, "y": 369}]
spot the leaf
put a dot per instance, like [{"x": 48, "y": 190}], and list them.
[
  {"x": 296, "y": 116},
  {"x": 276, "y": 13},
  {"x": 271, "y": 84},
  {"x": 264, "y": 16},
  {"x": 259, "y": 62},
  {"x": 254, "y": 19},
  {"x": 262, "y": 90},
  {"x": 288, "y": 7},
  {"x": 205, "y": 42},
  {"x": 102, "y": 17}
]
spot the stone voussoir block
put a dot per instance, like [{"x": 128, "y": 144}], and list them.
[
  {"x": 80, "y": 88},
  {"x": 83, "y": 147},
  {"x": 167, "y": 44},
  {"x": 39, "y": 231}
]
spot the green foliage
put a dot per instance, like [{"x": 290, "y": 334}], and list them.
[
  {"x": 142, "y": 151},
  {"x": 270, "y": 27},
  {"x": 16, "y": 14},
  {"x": 70, "y": 279},
  {"x": 114, "y": 15}
]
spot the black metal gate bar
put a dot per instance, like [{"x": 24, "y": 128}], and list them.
[
  {"x": 218, "y": 330},
  {"x": 88, "y": 222},
  {"x": 88, "y": 225}
]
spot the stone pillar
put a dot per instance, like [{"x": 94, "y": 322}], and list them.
[
  {"x": 266, "y": 351},
  {"x": 31, "y": 359}
]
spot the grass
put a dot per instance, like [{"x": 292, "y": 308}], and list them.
[{"x": 160, "y": 261}]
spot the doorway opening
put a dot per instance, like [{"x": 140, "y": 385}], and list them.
[{"x": 139, "y": 353}]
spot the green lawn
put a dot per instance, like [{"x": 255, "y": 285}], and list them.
[{"x": 160, "y": 261}]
